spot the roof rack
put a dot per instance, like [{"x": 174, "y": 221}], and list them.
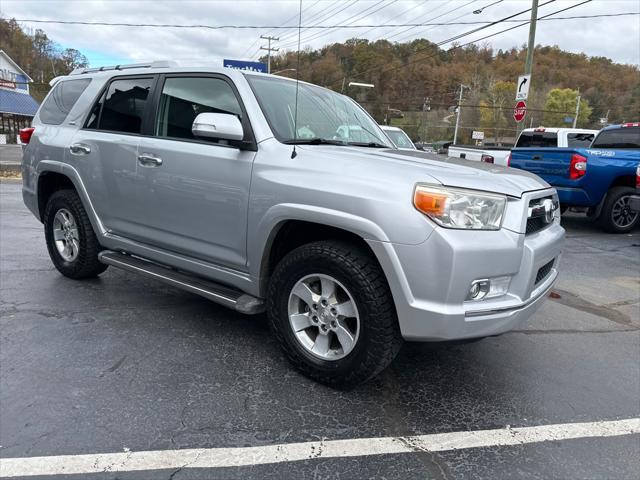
[{"x": 156, "y": 64}]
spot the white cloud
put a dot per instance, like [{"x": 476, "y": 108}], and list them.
[{"x": 615, "y": 37}]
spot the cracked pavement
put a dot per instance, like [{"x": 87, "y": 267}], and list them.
[{"x": 126, "y": 363}]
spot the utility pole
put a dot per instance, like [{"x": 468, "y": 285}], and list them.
[
  {"x": 528, "y": 67},
  {"x": 268, "y": 48},
  {"x": 531, "y": 45},
  {"x": 455, "y": 132},
  {"x": 575, "y": 119}
]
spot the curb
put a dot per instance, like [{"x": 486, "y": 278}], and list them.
[{"x": 13, "y": 168}]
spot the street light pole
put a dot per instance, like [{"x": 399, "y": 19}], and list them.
[
  {"x": 575, "y": 119},
  {"x": 455, "y": 132}
]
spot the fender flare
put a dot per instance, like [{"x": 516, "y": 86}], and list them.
[{"x": 72, "y": 174}]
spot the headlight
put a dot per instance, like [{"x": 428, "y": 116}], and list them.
[{"x": 458, "y": 208}]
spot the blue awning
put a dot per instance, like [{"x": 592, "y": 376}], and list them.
[{"x": 17, "y": 103}]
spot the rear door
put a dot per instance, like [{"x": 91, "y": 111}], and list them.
[
  {"x": 105, "y": 151},
  {"x": 196, "y": 191}
]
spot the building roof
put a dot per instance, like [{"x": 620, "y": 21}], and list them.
[
  {"x": 17, "y": 67},
  {"x": 17, "y": 103}
]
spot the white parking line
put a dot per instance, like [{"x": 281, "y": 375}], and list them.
[{"x": 246, "y": 456}]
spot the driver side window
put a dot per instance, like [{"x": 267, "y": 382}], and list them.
[{"x": 183, "y": 99}]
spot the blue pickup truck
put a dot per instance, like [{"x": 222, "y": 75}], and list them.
[{"x": 602, "y": 180}]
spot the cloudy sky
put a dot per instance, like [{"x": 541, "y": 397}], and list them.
[{"x": 615, "y": 37}]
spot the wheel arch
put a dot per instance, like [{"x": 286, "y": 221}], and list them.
[{"x": 54, "y": 176}]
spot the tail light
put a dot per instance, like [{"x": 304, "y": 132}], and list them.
[
  {"x": 638, "y": 176},
  {"x": 487, "y": 158},
  {"x": 509, "y": 160},
  {"x": 25, "y": 134},
  {"x": 578, "y": 167}
]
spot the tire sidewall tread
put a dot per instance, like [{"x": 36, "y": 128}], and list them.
[
  {"x": 379, "y": 339},
  {"x": 86, "y": 264}
]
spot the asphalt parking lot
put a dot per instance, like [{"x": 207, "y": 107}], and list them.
[{"x": 123, "y": 364}]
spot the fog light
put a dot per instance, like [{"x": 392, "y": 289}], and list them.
[{"x": 488, "y": 288}]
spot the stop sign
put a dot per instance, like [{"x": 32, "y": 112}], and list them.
[{"x": 519, "y": 111}]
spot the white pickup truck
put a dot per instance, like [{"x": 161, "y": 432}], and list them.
[{"x": 529, "y": 137}]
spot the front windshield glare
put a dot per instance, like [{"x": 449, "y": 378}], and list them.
[{"x": 322, "y": 113}]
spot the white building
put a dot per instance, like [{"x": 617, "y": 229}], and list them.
[{"x": 17, "y": 106}]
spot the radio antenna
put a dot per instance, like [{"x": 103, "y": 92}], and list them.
[{"x": 295, "y": 113}]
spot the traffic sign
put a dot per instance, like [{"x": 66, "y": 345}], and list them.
[
  {"x": 522, "y": 88},
  {"x": 519, "y": 111}
]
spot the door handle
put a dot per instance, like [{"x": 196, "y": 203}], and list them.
[
  {"x": 80, "y": 149},
  {"x": 149, "y": 160},
  {"x": 536, "y": 157}
]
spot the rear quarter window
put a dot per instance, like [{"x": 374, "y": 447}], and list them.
[
  {"x": 59, "y": 103},
  {"x": 579, "y": 140},
  {"x": 619, "y": 138},
  {"x": 537, "y": 139}
]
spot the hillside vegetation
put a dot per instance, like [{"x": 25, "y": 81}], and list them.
[{"x": 422, "y": 81}]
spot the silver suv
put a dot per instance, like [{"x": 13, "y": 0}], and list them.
[{"x": 261, "y": 194}]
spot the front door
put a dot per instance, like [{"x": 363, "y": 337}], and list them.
[{"x": 195, "y": 191}]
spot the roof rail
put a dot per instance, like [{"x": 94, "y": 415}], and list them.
[{"x": 156, "y": 64}]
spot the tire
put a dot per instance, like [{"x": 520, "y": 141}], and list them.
[
  {"x": 66, "y": 218},
  {"x": 615, "y": 216},
  {"x": 357, "y": 278}
]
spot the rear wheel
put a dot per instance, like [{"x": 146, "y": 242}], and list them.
[
  {"x": 330, "y": 308},
  {"x": 616, "y": 215},
  {"x": 72, "y": 244}
]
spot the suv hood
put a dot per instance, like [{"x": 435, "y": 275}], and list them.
[{"x": 451, "y": 172}]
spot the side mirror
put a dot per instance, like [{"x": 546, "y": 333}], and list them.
[{"x": 224, "y": 126}]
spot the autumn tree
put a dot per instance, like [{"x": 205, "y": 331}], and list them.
[
  {"x": 493, "y": 106},
  {"x": 561, "y": 103}
]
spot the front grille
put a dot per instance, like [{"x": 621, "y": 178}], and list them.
[
  {"x": 535, "y": 224},
  {"x": 544, "y": 272},
  {"x": 536, "y": 220}
]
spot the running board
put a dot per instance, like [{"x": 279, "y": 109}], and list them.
[{"x": 226, "y": 296}]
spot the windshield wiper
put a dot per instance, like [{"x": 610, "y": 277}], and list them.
[
  {"x": 314, "y": 141},
  {"x": 368, "y": 144}
]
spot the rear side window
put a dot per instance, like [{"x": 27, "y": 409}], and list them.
[
  {"x": 537, "y": 139},
  {"x": 579, "y": 140},
  {"x": 121, "y": 108},
  {"x": 61, "y": 100},
  {"x": 625, "y": 137},
  {"x": 183, "y": 99}
]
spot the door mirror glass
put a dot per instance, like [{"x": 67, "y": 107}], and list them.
[{"x": 222, "y": 126}]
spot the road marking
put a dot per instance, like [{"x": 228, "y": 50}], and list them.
[{"x": 128, "y": 461}]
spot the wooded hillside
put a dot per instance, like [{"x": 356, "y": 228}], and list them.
[
  {"x": 423, "y": 81},
  {"x": 38, "y": 55}
]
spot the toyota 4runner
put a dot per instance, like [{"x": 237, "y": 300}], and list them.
[{"x": 263, "y": 194}]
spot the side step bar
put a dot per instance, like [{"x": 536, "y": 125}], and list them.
[{"x": 226, "y": 296}]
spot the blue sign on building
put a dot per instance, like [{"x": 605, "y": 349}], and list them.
[{"x": 243, "y": 65}]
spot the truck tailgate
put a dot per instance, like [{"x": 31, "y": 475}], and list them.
[{"x": 552, "y": 164}]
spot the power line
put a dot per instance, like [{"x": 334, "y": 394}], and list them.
[{"x": 312, "y": 27}]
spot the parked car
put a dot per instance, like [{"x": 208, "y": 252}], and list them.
[
  {"x": 602, "y": 180},
  {"x": 204, "y": 179},
  {"x": 540, "y": 137},
  {"x": 399, "y": 137}
]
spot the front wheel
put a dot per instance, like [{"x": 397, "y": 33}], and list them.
[
  {"x": 616, "y": 215},
  {"x": 331, "y": 309}
]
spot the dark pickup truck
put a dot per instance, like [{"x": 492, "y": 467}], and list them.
[{"x": 602, "y": 180}]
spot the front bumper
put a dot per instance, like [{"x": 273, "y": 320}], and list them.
[{"x": 430, "y": 281}]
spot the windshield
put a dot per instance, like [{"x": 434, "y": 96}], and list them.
[
  {"x": 400, "y": 138},
  {"x": 625, "y": 137},
  {"x": 322, "y": 114}
]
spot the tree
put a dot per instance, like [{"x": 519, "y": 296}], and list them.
[
  {"x": 560, "y": 104},
  {"x": 492, "y": 108}
]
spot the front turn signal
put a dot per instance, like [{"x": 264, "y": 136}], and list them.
[{"x": 430, "y": 202}]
